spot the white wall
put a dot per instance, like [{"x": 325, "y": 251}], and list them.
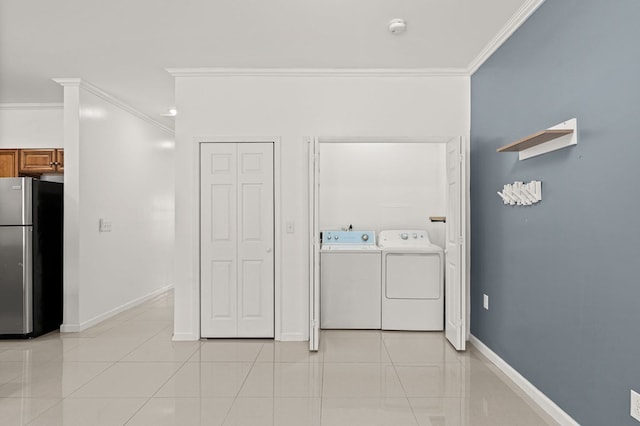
[
  {"x": 118, "y": 167},
  {"x": 383, "y": 186},
  {"x": 290, "y": 108},
  {"x": 31, "y": 126}
]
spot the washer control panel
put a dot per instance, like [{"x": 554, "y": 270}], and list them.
[{"x": 348, "y": 237}]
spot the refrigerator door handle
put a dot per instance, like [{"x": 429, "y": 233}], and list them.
[
  {"x": 27, "y": 197},
  {"x": 27, "y": 278}
]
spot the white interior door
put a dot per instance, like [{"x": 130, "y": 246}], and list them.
[
  {"x": 455, "y": 275},
  {"x": 314, "y": 245},
  {"x": 236, "y": 240}
]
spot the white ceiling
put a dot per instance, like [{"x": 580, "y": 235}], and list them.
[{"x": 125, "y": 46}]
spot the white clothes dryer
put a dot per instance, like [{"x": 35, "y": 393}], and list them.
[
  {"x": 350, "y": 280},
  {"x": 412, "y": 281}
]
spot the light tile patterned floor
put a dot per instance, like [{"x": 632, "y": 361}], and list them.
[{"x": 128, "y": 371}]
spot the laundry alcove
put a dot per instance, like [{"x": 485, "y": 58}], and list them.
[{"x": 386, "y": 183}]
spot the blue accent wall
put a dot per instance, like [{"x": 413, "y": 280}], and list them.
[{"x": 563, "y": 276}]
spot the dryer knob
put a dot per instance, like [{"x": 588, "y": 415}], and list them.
[
  {"x": 365, "y": 237},
  {"x": 404, "y": 236},
  {"x": 415, "y": 235}
]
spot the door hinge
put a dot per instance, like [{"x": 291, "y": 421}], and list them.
[
  {"x": 314, "y": 323},
  {"x": 461, "y": 240},
  {"x": 461, "y": 158}
]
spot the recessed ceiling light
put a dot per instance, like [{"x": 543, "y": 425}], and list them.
[
  {"x": 171, "y": 113},
  {"x": 397, "y": 26}
]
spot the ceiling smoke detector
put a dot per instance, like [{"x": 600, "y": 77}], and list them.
[{"x": 397, "y": 26}]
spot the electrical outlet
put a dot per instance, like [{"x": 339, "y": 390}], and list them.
[
  {"x": 635, "y": 405},
  {"x": 485, "y": 301}
]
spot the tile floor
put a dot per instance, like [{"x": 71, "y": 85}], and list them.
[{"x": 127, "y": 371}]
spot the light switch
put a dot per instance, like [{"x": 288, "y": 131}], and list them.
[
  {"x": 291, "y": 228},
  {"x": 104, "y": 225}
]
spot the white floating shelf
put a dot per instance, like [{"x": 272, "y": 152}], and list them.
[{"x": 557, "y": 137}]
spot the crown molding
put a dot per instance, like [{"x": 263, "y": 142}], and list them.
[
  {"x": 31, "y": 106},
  {"x": 78, "y": 82},
  {"x": 518, "y": 18},
  {"x": 318, "y": 72},
  {"x": 68, "y": 81},
  {"x": 510, "y": 27},
  {"x": 383, "y": 139}
]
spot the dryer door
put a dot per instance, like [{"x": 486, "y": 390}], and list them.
[{"x": 413, "y": 276}]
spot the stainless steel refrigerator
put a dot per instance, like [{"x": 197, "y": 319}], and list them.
[{"x": 31, "y": 231}]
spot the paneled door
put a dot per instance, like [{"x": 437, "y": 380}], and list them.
[
  {"x": 455, "y": 258},
  {"x": 314, "y": 246},
  {"x": 236, "y": 240}
]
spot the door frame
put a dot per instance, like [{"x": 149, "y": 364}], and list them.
[
  {"x": 316, "y": 143},
  {"x": 277, "y": 238}
]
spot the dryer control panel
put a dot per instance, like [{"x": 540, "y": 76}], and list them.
[{"x": 404, "y": 237}]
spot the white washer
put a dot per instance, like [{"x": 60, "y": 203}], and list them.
[
  {"x": 350, "y": 285},
  {"x": 412, "y": 281}
]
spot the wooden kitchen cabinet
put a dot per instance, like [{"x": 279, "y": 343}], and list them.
[
  {"x": 9, "y": 162},
  {"x": 60, "y": 160},
  {"x": 39, "y": 161}
]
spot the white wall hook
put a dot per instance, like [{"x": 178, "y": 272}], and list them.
[{"x": 521, "y": 194}]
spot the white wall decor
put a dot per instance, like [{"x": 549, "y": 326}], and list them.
[{"x": 521, "y": 194}]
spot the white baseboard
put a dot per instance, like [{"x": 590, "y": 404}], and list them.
[
  {"x": 284, "y": 337},
  {"x": 75, "y": 328},
  {"x": 185, "y": 337},
  {"x": 70, "y": 328},
  {"x": 534, "y": 393},
  {"x": 293, "y": 337}
]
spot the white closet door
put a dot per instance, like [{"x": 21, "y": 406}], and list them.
[
  {"x": 255, "y": 240},
  {"x": 236, "y": 241},
  {"x": 455, "y": 294},
  {"x": 218, "y": 242}
]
